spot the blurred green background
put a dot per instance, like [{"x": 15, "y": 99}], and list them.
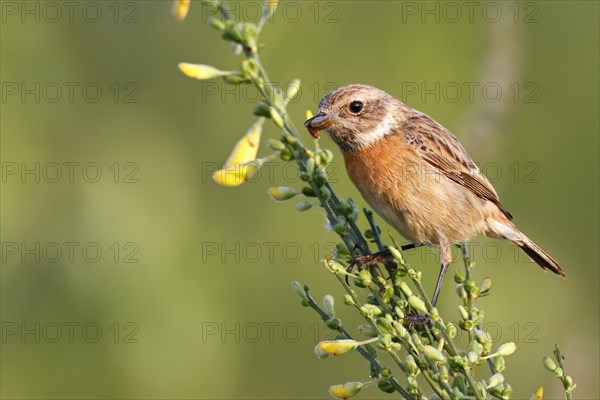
[{"x": 190, "y": 296}]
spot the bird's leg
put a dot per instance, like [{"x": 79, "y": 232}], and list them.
[{"x": 445, "y": 258}]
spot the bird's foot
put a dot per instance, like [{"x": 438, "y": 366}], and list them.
[{"x": 419, "y": 320}]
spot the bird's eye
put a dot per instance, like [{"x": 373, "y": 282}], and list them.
[{"x": 356, "y": 107}]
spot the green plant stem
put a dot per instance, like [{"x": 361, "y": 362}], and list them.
[
  {"x": 372, "y": 360},
  {"x": 561, "y": 363}
]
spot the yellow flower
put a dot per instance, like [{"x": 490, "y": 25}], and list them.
[
  {"x": 539, "y": 394},
  {"x": 201, "y": 71},
  {"x": 180, "y": 8},
  {"x": 337, "y": 347},
  {"x": 345, "y": 391},
  {"x": 246, "y": 148},
  {"x": 242, "y": 163},
  {"x": 238, "y": 174}
]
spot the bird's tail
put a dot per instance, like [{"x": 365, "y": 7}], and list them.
[{"x": 507, "y": 230}]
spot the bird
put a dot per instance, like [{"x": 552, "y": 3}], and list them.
[{"x": 416, "y": 175}]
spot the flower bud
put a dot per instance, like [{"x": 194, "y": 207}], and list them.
[
  {"x": 282, "y": 193},
  {"x": 250, "y": 69},
  {"x": 365, "y": 277},
  {"x": 386, "y": 386},
  {"x": 401, "y": 331},
  {"x": 328, "y": 305},
  {"x": 415, "y": 275},
  {"x": 370, "y": 310},
  {"x": 334, "y": 323},
  {"x": 451, "y": 330},
  {"x": 201, "y": 71},
  {"x": 304, "y": 205},
  {"x": 464, "y": 314},
  {"x": 506, "y": 349},
  {"x": 417, "y": 303},
  {"x": 300, "y": 292},
  {"x": 262, "y": 110},
  {"x": 459, "y": 276},
  {"x": 433, "y": 354},
  {"x": 335, "y": 267},
  {"x": 276, "y": 117},
  {"x": 411, "y": 366},
  {"x": 549, "y": 364},
  {"x": 292, "y": 90},
  {"x": 345, "y": 391},
  {"x": 367, "y": 330},
  {"x": 216, "y": 23},
  {"x": 348, "y": 300},
  {"x": 275, "y": 144},
  {"x": 495, "y": 380},
  {"x": 308, "y": 115},
  {"x": 180, "y": 9},
  {"x": 385, "y": 326},
  {"x": 405, "y": 288},
  {"x": 485, "y": 287}
]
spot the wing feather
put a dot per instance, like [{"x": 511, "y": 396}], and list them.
[{"x": 441, "y": 149}]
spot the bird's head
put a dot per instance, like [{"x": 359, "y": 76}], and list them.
[{"x": 357, "y": 116}]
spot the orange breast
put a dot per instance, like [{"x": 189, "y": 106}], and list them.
[{"x": 410, "y": 195}]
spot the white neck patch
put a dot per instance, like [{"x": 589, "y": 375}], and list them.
[{"x": 384, "y": 128}]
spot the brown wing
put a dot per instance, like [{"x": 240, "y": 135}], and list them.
[{"x": 441, "y": 149}]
